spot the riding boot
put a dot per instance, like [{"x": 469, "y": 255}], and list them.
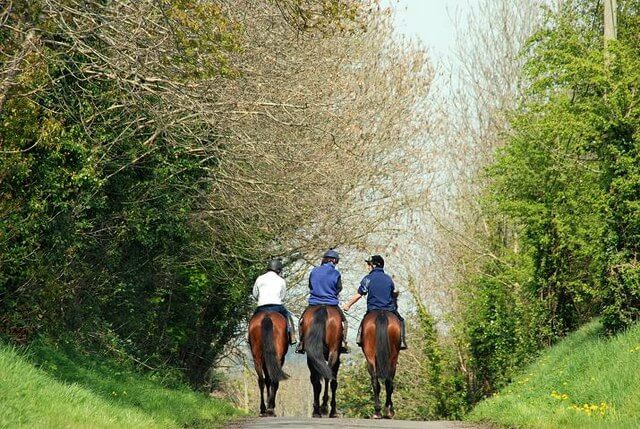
[
  {"x": 292, "y": 330},
  {"x": 300, "y": 346},
  {"x": 345, "y": 327},
  {"x": 403, "y": 336}
]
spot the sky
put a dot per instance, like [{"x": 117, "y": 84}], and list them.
[{"x": 430, "y": 21}]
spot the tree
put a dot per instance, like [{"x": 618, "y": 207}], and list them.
[{"x": 158, "y": 152}]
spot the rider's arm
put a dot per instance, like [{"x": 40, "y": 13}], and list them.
[
  {"x": 256, "y": 291},
  {"x": 352, "y": 301},
  {"x": 362, "y": 290}
]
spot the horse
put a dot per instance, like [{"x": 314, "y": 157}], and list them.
[
  {"x": 269, "y": 344},
  {"x": 381, "y": 347},
  {"x": 321, "y": 329}
]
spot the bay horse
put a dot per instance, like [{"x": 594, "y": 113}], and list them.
[
  {"x": 269, "y": 344},
  {"x": 381, "y": 347},
  {"x": 321, "y": 329}
]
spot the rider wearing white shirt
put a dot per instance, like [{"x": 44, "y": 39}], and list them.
[{"x": 269, "y": 290}]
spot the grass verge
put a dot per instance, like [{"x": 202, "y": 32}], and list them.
[
  {"x": 585, "y": 381},
  {"x": 46, "y": 387}
]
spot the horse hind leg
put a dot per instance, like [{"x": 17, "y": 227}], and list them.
[
  {"x": 263, "y": 409},
  {"x": 334, "y": 387},
  {"x": 375, "y": 383},
  {"x": 389, "y": 413},
  {"x": 324, "y": 408},
  {"x": 317, "y": 387},
  {"x": 271, "y": 405}
]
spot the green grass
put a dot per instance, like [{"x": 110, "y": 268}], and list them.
[
  {"x": 586, "y": 368},
  {"x": 46, "y": 387}
]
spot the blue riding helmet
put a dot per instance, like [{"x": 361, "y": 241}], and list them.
[{"x": 331, "y": 254}]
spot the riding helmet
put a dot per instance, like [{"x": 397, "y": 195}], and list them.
[
  {"x": 376, "y": 261},
  {"x": 331, "y": 254},
  {"x": 275, "y": 265}
]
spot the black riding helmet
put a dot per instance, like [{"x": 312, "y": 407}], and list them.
[
  {"x": 376, "y": 261},
  {"x": 275, "y": 265}
]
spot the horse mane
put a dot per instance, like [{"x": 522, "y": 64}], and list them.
[
  {"x": 383, "y": 352},
  {"x": 314, "y": 343},
  {"x": 270, "y": 360}
]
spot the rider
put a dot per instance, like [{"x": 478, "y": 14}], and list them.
[
  {"x": 269, "y": 290},
  {"x": 325, "y": 283},
  {"x": 381, "y": 294}
]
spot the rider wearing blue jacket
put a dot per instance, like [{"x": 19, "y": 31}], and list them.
[
  {"x": 325, "y": 284},
  {"x": 381, "y": 294}
]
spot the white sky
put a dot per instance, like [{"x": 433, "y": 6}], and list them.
[{"x": 430, "y": 21}]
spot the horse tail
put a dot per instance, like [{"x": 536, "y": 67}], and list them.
[
  {"x": 383, "y": 354},
  {"x": 271, "y": 361},
  {"x": 314, "y": 343}
]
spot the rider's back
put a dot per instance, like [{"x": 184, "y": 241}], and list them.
[
  {"x": 324, "y": 283},
  {"x": 379, "y": 288},
  {"x": 269, "y": 289}
]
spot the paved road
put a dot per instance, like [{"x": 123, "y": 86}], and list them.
[{"x": 308, "y": 423}]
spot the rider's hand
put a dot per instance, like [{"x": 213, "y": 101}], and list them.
[{"x": 346, "y": 308}]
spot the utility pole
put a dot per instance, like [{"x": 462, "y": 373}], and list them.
[{"x": 610, "y": 20}]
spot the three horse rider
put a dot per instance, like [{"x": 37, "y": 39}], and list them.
[
  {"x": 325, "y": 284},
  {"x": 381, "y": 295},
  {"x": 269, "y": 290}
]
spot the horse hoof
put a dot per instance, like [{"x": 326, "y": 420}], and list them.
[
  {"x": 333, "y": 415},
  {"x": 263, "y": 414},
  {"x": 324, "y": 411},
  {"x": 316, "y": 415},
  {"x": 377, "y": 416},
  {"x": 271, "y": 413}
]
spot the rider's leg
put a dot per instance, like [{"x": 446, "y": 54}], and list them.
[
  {"x": 403, "y": 334},
  {"x": 292, "y": 329},
  {"x": 300, "y": 347},
  {"x": 345, "y": 330},
  {"x": 359, "y": 336}
]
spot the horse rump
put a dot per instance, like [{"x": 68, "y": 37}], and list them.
[
  {"x": 314, "y": 343},
  {"x": 383, "y": 352},
  {"x": 271, "y": 361}
]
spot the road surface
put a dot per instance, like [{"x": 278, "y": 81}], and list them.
[{"x": 309, "y": 423}]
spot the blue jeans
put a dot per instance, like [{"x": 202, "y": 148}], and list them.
[{"x": 278, "y": 308}]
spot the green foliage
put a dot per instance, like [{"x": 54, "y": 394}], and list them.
[
  {"x": 48, "y": 386},
  {"x": 503, "y": 326},
  {"x": 97, "y": 215},
  {"x": 587, "y": 380},
  {"x": 563, "y": 199}
]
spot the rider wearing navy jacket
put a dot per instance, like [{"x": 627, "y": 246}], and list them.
[
  {"x": 381, "y": 294},
  {"x": 325, "y": 283}
]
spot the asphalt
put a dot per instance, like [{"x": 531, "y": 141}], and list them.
[{"x": 309, "y": 423}]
